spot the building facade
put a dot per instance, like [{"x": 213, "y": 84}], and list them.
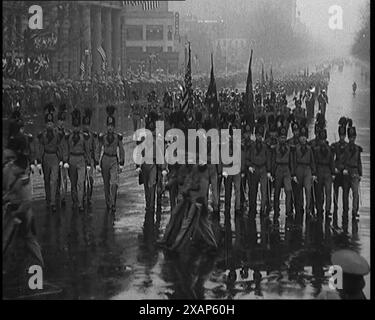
[
  {"x": 151, "y": 38},
  {"x": 91, "y": 37}
]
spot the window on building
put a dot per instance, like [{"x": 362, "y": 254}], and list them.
[
  {"x": 134, "y": 32},
  {"x": 130, "y": 50},
  {"x": 170, "y": 49},
  {"x": 154, "y": 32},
  {"x": 154, "y": 49},
  {"x": 170, "y": 31}
]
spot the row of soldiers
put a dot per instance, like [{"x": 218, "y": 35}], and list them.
[
  {"x": 306, "y": 170},
  {"x": 58, "y": 153}
]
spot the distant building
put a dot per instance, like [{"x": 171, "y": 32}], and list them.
[{"x": 151, "y": 38}]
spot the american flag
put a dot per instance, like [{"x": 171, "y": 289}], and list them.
[
  {"x": 102, "y": 53},
  {"x": 146, "y": 5},
  {"x": 186, "y": 100}
]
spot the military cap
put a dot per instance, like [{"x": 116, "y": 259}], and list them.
[
  {"x": 342, "y": 126},
  {"x": 350, "y": 262},
  {"x": 49, "y": 110}
]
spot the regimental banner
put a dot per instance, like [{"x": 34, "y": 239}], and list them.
[{"x": 177, "y": 24}]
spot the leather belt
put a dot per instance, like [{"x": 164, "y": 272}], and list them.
[
  {"x": 50, "y": 152},
  {"x": 77, "y": 154}
]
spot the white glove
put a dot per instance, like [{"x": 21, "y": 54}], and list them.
[
  {"x": 164, "y": 173},
  {"x": 66, "y": 165},
  {"x": 88, "y": 168},
  {"x": 121, "y": 168},
  {"x": 336, "y": 170},
  {"x": 295, "y": 179},
  {"x": 269, "y": 176},
  {"x": 39, "y": 166},
  {"x": 345, "y": 172},
  {"x": 225, "y": 174},
  {"x": 242, "y": 175},
  {"x": 60, "y": 164},
  {"x": 98, "y": 168},
  {"x": 251, "y": 169},
  {"x": 32, "y": 167},
  {"x": 314, "y": 178},
  {"x": 138, "y": 170}
]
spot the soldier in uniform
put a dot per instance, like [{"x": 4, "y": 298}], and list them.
[
  {"x": 325, "y": 170},
  {"x": 49, "y": 156},
  {"x": 230, "y": 180},
  {"x": 92, "y": 141},
  {"x": 135, "y": 111},
  {"x": 76, "y": 159},
  {"x": 298, "y": 112},
  {"x": 305, "y": 173},
  {"x": 258, "y": 163},
  {"x": 353, "y": 168},
  {"x": 293, "y": 142},
  {"x": 16, "y": 133},
  {"x": 282, "y": 170},
  {"x": 62, "y": 181},
  {"x": 112, "y": 160},
  {"x": 338, "y": 150},
  {"x": 151, "y": 175}
]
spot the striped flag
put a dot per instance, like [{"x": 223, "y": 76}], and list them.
[
  {"x": 186, "y": 100},
  {"x": 249, "y": 95},
  {"x": 146, "y": 5}
]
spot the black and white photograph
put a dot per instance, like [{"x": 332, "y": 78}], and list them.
[{"x": 195, "y": 150}]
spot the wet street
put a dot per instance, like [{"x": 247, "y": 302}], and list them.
[{"x": 92, "y": 256}]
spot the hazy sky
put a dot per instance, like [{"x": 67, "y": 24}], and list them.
[{"x": 314, "y": 13}]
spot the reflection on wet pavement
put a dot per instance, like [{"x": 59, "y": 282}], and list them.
[{"x": 94, "y": 256}]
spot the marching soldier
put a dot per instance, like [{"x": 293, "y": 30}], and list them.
[
  {"x": 92, "y": 142},
  {"x": 26, "y": 141},
  {"x": 62, "y": 181},
  {"x": 76, "y": 159},
  {"x": 338, "y": 150},
  {"x": 112, "y": 160},
  {"x": 49, "y": 156},
  {"x": 298, "y": 112},
  {"x": 259, "y": 170},
  {"x": 293, "y": 142},
  {"x": 135, "y": 111},
  {"x": 305, "y": 173},
  {"x": 282, "y": 170},
  {"x": 325, "y": 170},
  {"x": 152, "y": 175},
  {"x": 230, "y": 180},
  {"x": 323, "y": 101},
  {"x": 353, "y": 168}
]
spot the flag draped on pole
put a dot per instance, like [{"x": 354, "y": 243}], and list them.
[
  {"x": 211, "y": 96},
  {"x": 271, "y": 79},
  {"x": 249, "y": 95},
  {"x": 187, "y": 96},
  {"x": 82, "y": 68},
  {"x": 263, "y": 80},
  {"x": 104, "y": 57}
]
